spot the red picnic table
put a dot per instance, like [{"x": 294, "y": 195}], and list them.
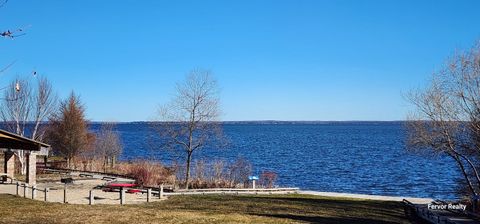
[{"x": 120, "y": 186}]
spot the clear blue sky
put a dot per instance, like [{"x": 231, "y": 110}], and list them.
[{"x": 280, "y": 60}]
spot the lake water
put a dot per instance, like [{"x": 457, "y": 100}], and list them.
[{"x": 351, "y": 157}]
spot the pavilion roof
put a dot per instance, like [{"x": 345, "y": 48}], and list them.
[{"x": 10, "y": 140}]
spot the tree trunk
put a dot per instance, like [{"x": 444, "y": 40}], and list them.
[
  {"x": 114, "y": 160},
  {"x": 474, "y": 169},
  {"x": 105, "y": 163},
  {"x": 24, "y": 167},
  {"x": 462, "y": 168},
  {"x": 20, "y": 154},
  {"x": 187, "y": 177}
]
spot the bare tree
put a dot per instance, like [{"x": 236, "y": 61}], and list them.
[
  {"x": 25, "y": 107},
  {"x": 44, "y": 103},
  {"x": 108, "y": 145},
  {"x": 16, "y": 107},
  {"x": 446, "y": 120},
  {"x": 15, "y": 113},
  {"x": 190, "y": 121},
  {"x": 68, "y": 129}
]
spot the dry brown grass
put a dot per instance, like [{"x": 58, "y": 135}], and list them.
[
  {"x": 208, "y": 209},
  {"x": 147, "y": 173}
]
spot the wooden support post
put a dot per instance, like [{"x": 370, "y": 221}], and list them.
[
  {"x": 122, "y": 196},
  {"x": 91, "y": 199},
  {"x": 65, "y": 194},
  {"x": 34, "y": 191},
  {"x": 253, "y": 183},
  {"x": 46, "y": 194},
  {"x": 149, "y": 194},
  {"x": 18, "y": 188},
  {"x": 25, "y": 190},
  {"x": 160, "y": 193}
]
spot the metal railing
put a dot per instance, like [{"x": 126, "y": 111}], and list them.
[{"x": 34, "y": 191}]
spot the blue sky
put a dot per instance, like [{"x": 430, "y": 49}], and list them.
[{"x": 274, "y": 60}]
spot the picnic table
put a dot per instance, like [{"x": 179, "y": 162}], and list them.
[
  {"x": 116, "y": 186},
  {"x": 120, "y": 185}
]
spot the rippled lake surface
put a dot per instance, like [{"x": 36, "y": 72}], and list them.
[{"x": 350, "y": 157}]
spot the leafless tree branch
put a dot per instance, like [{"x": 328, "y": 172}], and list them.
[
  {"x": 190, "y": 121},
  {"x": 447, "y": 116}
]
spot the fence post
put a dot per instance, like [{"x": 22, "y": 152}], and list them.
[
  {"x": 46, "y": 194},
  {"x": 91, "y": 199},
  {"x": 18, "y": 186},
  {"x": 34, "y": 191},
  {"x": 122, "y": 196},
  {"x": 65, "y": 194},
  {"x": 25, "y": 190},
  {"x": 149, "y": 194},
  {"x": 160, "y": 193}
]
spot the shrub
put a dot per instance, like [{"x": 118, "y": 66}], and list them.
[
  {"x": 147, "y": 173},
  {"x": 239, "y": 172},
  {"x": 268, "y": 178},
  {"x": 218, "y": 174}
]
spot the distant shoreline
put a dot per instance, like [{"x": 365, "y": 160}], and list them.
[
  {"x": 267, "y": 122},
  {"x": 253, "y": 122},
  {"x": 250, "y": 122}
]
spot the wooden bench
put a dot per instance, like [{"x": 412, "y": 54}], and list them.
[
  {"x": 86, "y": 175},
  {"x": 109, "y": 178}
]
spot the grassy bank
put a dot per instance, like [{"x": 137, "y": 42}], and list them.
[{"x": 208, "y": 209}]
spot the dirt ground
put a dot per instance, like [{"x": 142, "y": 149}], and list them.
[{"x": 77, "y": 193}]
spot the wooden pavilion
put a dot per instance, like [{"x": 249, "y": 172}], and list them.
[{"x": 9, "y": 142}]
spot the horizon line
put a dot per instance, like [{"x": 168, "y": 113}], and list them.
[{"x": 145, "y": 121}]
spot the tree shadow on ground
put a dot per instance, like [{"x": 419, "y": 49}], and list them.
[
  {"x": 301, "y": 208},
  {"x": 324, "y": 220}
]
